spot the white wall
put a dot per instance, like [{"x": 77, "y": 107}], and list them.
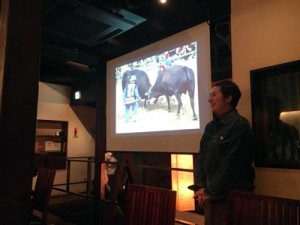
[
  {"x": 265, "y": 33},
  {"x": 53, "y": 104}
]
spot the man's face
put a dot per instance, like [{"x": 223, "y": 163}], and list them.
[{"x": 219, "y": 104}]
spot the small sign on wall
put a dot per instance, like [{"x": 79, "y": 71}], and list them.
[{"x": 51, "y": 146}]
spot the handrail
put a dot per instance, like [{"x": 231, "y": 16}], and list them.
[
  {"x": 89, "y": 160},
  {"x": 86, "y": 159}
]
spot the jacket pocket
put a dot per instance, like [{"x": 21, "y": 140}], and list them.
[{"x": 222, "y": 141}]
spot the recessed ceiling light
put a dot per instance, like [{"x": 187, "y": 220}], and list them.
[{"x": 163, "y": 1}]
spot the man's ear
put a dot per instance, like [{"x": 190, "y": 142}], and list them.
[{"x": 228, "y": 99}]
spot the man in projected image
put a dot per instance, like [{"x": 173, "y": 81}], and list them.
[
  {"x": 130, "y": 98},
  {"x": 225, "y": 158}
]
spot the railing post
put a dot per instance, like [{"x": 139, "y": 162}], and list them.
[
  {"x": 89, "y": 177},
  {"x": 68, "y": 175}
]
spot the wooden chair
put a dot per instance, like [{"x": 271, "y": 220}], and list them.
[
  {"x": 41, "y": 195},
  {"x": 245, "y": 208},
  {"x": 250, "y": 208},
  {"x": 147, "y": 205}
]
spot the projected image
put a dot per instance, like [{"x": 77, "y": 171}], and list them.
[{"x": 158, "y": 93}]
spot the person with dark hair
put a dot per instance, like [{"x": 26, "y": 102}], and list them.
[{"x": 225, "y": 158}]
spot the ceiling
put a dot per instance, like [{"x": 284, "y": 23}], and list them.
[{"x": 78, "y": 35}]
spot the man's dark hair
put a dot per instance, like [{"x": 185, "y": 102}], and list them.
[{"x": 230, "y": 88}]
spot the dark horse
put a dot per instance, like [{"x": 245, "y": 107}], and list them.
[{"x": 175, "y": 80}]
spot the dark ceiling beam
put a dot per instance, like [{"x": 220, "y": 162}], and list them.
[
  {"x": 161, "y": 21},
  {"x": 63, "y": 54}
]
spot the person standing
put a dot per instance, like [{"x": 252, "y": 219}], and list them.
[
  {"x": 130, "y": 98},
  {"x": 225, "y": 158}
]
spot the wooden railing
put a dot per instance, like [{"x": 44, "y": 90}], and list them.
[{"x": 242, "y": 208}]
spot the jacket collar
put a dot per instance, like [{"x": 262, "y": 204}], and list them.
[{"x": 227, "y": 117}]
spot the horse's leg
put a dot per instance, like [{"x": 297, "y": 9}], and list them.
[
  {"x": 168, "y": 100},
  {"x": 191, "y": 94},
  {"x": 178, "y": 97}
]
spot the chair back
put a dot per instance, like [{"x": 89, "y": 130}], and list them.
[
  {"x": 248, "y": 208},
  {"x": 42, "y": 191},
  {"x": 147, "y": 205}
]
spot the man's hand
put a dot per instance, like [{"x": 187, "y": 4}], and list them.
[{"x": 200, "y": 196}]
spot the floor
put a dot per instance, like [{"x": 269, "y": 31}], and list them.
[
  {"x": 77, "y": 210},
  {"x": 54, "y": 220}
]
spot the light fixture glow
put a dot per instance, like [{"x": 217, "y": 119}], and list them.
[
  {"x": 77, "y": 95},
  {"x": 182, "y": 177}
]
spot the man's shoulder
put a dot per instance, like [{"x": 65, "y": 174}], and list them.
[
  {"x": 243, "y": 120},
  {"x": 210, "y": 124},
  {"x": 238, "y": 121}
]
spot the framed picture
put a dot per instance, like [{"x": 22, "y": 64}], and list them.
[{"x": 275, "y": 97}]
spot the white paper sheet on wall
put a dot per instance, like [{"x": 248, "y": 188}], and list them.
[{"x": 51, "y": 146}]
